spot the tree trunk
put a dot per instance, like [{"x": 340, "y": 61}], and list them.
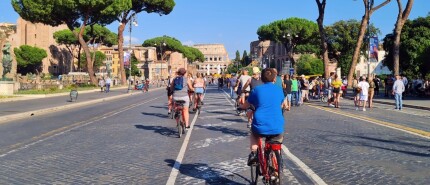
[
  {"x": 79, "y": 58},
  {"x": 121, "y": 51},
  {"x": 324, "y": 48},
  {"x": 84, "y": 46},
  {"x": 357, "y": 49},
  {"x": 364, "y": 22},
  {"x": 401, "y": 18}
]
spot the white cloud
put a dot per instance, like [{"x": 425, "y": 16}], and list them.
[
  {"x": 134, "y": 40},
  {"x": 188, "y": 43}
]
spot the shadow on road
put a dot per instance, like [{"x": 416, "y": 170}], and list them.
[
  {"x": 156, "y": 114},
  {"x": 400, "y": 144},
  {"x": 165, "y": 131},
  {"x": 225, "y": 130},
  {"x": 159, "y": 107},
  {"x": 211, "y": 175}
]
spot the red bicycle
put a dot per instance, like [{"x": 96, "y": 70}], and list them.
[{"x": 269, "y": 164}]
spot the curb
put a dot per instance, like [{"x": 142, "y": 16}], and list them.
[
  {"x": 22, "y": 97},
  {"x": 394, "y": 104},
  {"x": 13, "y": 117}
]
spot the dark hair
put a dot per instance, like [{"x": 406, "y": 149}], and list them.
[
  {"x": 268, "y": 75},
  {"x": 335, "y": 76},
  {"x": 331, "y": 73}
]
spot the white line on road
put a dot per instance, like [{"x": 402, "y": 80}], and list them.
[
  {"x": 307, "y": 171},
  {"x": 73, "y": 128},
  {"x": 177, "y": 165}
]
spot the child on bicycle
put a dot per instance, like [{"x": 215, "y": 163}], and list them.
[{"x": 268, "y": 120}]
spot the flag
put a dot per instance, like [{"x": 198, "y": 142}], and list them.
[
  {"x": 373, "y": 50},
  {"x": 127, "y": 58}
]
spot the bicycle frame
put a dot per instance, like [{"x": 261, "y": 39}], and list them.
[{"x": 262, "y": 160}]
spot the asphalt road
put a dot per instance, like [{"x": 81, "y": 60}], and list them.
[{"x": 131, "y": 141}]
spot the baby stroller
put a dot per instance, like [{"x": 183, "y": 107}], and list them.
[{"x": 139, "y": 86}]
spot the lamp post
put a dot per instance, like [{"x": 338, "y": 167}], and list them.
[
  {"x": 268, "y": 57},
  {"x": 368, "y": 39},
  {"x": 289, "y": 46},
  {"x": 132, "y": 22}
]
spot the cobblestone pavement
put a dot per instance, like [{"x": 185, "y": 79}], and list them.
[
  {"x": 131, "y": 141},
  {"x": 343, "y": 150}
]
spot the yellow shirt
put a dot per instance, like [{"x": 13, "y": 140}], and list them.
[{"x": 336, "y": 83}]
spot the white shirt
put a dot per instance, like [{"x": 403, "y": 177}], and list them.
[
  {"x": 398, "y": 87},
  {"x": 364, "y": 88},
  {"x": 243, "y": 79}
]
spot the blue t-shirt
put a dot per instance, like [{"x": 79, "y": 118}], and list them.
[
  {"x": 268, "y": 119},
  {"x": 278, "y": 81}
]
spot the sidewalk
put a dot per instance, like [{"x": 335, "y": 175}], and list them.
[
  {"x": 23, "y": 108},
  {"x": 411, "y": 102}
]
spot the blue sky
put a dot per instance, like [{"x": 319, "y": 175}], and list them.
[{"x": 234, "y": 23}]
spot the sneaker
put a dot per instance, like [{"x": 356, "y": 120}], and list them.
[
  {"x": 252, "y": 158},
  {"x": 331, "y": 105},
  {"x": 356, "y": 108},
  {"x": 364, "y": 109},
  {"x": 169, "y": 112},
  {"x": 249, "y": 125}
]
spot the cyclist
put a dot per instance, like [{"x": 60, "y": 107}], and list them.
[
  {"x": 169, "y": 95},
  {"x": 268, "y": 120},
  {"x": 241, "y": 82},
  {"x": 180, "y": 85},
  {"x": 253, "y": 83},
  {"x": 199, "y": 86}
]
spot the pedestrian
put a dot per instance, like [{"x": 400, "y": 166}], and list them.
[
  {"x": 371, "y": 91},
  {"x": 147, "y": 85},
  {"x": 398, "y": 89},
  {"x": 336, "y": 84},
  {"x": 232, "y": 84},
  {"x": 108, "y": 82},
  {"x": 294, "y": 90},
  {"x": 363, "y": 85},
  {"x": 377, "y": 81},
  {"x": 344, "y": 86},
  {"x": 287, "y": 92},
  {"x": 355, "y": 92},
  {"x": 329, "y": 88},
  {"x": 304, "y": 89},
  {"x": 405, "y": 83},
  {"x": 102, "y": 84}
]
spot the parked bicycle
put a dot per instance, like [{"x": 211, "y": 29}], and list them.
[
  {"x": 269, "y": 164},
  {"x": 180, "y": 121}
]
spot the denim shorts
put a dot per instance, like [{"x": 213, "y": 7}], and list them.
[{"x": 288, "y": 97}]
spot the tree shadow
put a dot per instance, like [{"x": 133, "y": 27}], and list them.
[
  {"x": 225, "y": 130},
  {"x": 156, "y": 114},
  {"x": 159, "y": 107},
  {"x": 400, "y": 143},
  {"x": 232, "y": 120},
  {"x": 211, "y": 175},
  {"x": 165, "y": 131}
]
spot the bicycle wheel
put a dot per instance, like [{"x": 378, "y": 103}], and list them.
[
  {"x": 275, "y": 167},
  {"x": 179, "y": 125}
]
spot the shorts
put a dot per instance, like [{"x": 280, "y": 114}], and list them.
[
  {"x": 183, "y": 98},
  {"x": 254, "y": 138},
  {"x": 363, "y": 97},
  {"x": 199, "y": 90},
  {"x": 336, "y": 90},
  {"x": 288, "y": 97},
  {"x": 169, "y": 93},
  {"x": 244, "y": 94}
]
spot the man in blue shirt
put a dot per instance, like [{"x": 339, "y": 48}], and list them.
[{"x": 268, "y": 120}]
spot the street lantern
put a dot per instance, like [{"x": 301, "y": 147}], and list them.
[{"x": 132, "y": 22}]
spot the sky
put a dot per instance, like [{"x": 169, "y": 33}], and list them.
[{"x": 234, "y": 23}]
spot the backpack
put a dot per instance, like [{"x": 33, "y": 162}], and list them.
[
  {"x": 326, "y": 83},
  {"x": 178, "y": 83}
]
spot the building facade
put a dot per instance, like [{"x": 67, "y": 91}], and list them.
[
  {"x": 375, "y": 67},
  {"x": 216, "y": 59},
  {"x": 42, "y": 36}
]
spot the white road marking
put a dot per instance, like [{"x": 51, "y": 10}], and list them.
[
  {"x": 213, "y": 171},
  {"x": 177, "y": 165},
  {"x": 213, "y": 141},
  {"x": 73, "y": 128},
  {"x": 222, "y": 124},
  {"x": 307, "y": 171}
]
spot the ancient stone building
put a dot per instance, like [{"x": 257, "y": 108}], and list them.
[{"x": 216, "y": 59}]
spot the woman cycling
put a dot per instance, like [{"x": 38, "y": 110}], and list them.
[{"x": 199, "y": 87}]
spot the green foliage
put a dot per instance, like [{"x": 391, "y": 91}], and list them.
[
  {"x": 237, "y": 56},
  {"x": 99, "y": 58},
  {"x": 162, "y": 7},
  {"x": 414, "y": 48},
  {"x": 134, "y": 70},
  {"x": 309, "y": 65},
  {"x": 29, "y": 58},
  {"x": 46, "y": 76},
  {"x": 97, "y": 34},
  {"x": 342, "y": 39},
  {"x": 65, "y": 37},
  {"x": 174, "y": 45},
  {"x": 306, "y": 31},
  {"x": 245, "y": 58},
  {"x": 234, "y": 67}
]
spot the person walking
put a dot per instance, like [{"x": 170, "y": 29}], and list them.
[
  {"x": 102, "y": 84},
  {"x": 232, "y": 83},
  {"x": 108, "y": 82},
  {"x": 304, "y": 89},
  {"x": 294, "y": 90},
  {"x": 363, "y": 85},
  {"x": 355, "y": 91},
  {"x": 398, "y": 89},
  {"x": 377, "y": 81},
  {"x": 336, "y": 84},
  {"x": 372, "y": 87},
  {"x": 287, "y": 92},
  {"x": 329, "y": 89}
]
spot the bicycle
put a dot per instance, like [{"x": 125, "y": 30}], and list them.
[
  {"x": 269, "y": 163},
  {"x": 180, "y": 122},
  {"x": 324, "y": 96}
]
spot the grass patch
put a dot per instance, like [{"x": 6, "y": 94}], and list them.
[
  {"x": 4, "y": 97},
  {"x": 54, "y": 90}
]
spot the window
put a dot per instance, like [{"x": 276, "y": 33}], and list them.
[{"x": 215, "y": 58}]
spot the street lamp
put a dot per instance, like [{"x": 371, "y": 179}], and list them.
[
  {"x": 289, "y": 46},
  {"x": 132, "y": 22},
  {"x": 370, "y": 5},
  {"x": 268, "y": 57}
]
